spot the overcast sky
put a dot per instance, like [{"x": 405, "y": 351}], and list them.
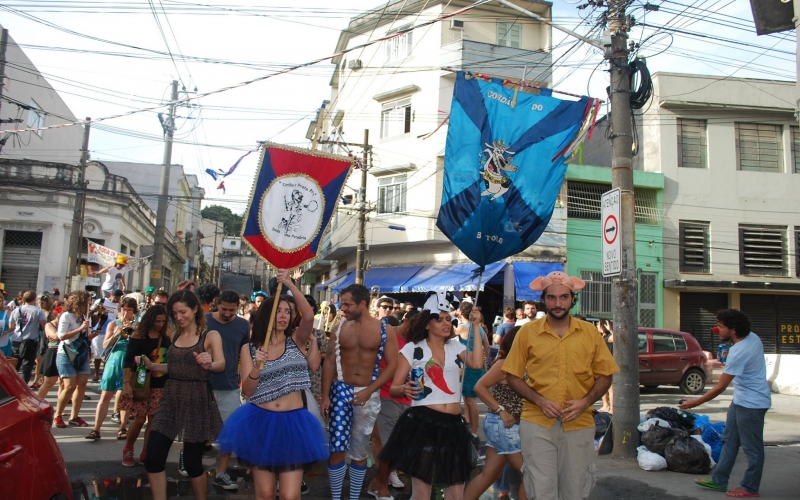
[{"x": 715, "y": 37}]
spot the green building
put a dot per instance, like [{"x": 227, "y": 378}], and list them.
[{"x": 584, "y": 186}]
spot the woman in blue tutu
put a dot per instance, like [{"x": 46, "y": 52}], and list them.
[{"x": 274, "y": 432}]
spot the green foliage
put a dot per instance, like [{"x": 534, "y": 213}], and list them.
[{"x": 232, "y": 223}]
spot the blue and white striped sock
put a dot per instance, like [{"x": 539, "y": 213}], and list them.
[
  {"x": 357, "y": 473},
  {"x": 336, "y": 475}
]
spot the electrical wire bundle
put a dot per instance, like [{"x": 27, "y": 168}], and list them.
[{"x": 640, "y": 74}]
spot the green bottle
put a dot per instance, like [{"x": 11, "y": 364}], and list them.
[{"x": 141, "y": 374}]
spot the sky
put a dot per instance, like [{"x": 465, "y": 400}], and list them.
[{"x": 111, "y": 66}]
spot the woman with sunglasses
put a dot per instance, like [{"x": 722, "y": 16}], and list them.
[{"x": 431, "y": 441}]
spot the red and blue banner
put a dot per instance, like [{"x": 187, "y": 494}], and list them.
[{"x": 293, "y": 198}]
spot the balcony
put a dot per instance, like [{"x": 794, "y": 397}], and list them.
[{"x": 495, "y": 60}]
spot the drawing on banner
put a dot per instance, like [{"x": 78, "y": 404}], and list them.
[
  {"x": 297, "y": 198},
  {"x": 496, "y": 161}
]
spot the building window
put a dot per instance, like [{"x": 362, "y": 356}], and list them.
[
  {"x": 759, "y": 147},
  {"x": 647, "y": 299},
  {"x": 694, "y": 247},
  {"x": 35, "y": 118},
  {"x": 399, "y": 47},
  {"x": 509, "y": 34},
  {"x": 762, "y": 250},
  {"x": 396, "y": 118},
  {"x": 392, "y": 194},
  {"x": 692, "y": 146},
  {"x": 583, "y": 202},
  {"x": 596, "y": 297},
  {"x": 796, "y": 148}
]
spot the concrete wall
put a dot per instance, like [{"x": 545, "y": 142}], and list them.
[
  {"x": 783, "y": 373},
  {"x": 23, "y": 83}
]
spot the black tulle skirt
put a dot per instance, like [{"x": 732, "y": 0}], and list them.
[{"x": 432, "y": 446}]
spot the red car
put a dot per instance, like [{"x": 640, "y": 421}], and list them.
[
  {"x": 668, "y": 357},
  {"x": 31, "y": 465}
]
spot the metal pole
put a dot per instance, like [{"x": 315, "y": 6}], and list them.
[
  {"x": 157, "y": 269},
  {"x": 362, "y": 214},
  {"x": 214, "y": 256},
  {"x": 624, "y": 287},
  {"x": 76, "y": 238},
  {"x": 3, "y": 47}
]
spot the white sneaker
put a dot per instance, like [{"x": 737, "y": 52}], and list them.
[{"x": 395, "y": 481}]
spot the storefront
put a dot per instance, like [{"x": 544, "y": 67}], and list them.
[{"x": 776, "y": 319}]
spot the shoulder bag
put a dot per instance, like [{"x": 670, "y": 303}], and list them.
[{"x": 77, "y": 351}]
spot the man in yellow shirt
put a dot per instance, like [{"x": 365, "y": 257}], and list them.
[{"x": 569, "y": 367}]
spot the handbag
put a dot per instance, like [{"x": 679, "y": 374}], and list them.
[
  {"x": 77, "y": 351},
  {"x": 142, "y": 393}
]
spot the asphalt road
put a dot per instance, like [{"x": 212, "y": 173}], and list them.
[{"x": 93, "y": 463}]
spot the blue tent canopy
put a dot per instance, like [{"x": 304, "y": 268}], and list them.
[
  {"x": 333, "y": 281},
  {"x": 525, "y": 272},
  {"x": 390, "y": 279},
  {"x": 456, "y": 277}
]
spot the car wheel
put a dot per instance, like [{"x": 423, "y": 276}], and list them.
[{"x": 693, "y": 382}]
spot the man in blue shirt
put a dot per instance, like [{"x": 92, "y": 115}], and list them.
[
  {"x": 503, "y": 328},
  {"x": 744, "y": 426}
]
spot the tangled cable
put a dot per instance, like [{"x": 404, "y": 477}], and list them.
[{"x": 640, "y": 94}]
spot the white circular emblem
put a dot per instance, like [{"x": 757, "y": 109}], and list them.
[{"x": 291, "y": 212}]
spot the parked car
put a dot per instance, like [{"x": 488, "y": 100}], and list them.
[
  {"x": 31, "y": 465},
  {"x": 669, "y": 357}
]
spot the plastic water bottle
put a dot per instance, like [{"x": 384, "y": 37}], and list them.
[{"x": 722, "y": 353}]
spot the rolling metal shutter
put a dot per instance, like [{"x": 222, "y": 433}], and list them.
[
  {"x": 763, "y": 318},
  {"x": 699, "y": 316},
  {"x": 21, "y": 252},
  {"x": 789, "y": 324}
]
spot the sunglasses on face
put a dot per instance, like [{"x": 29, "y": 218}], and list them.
[{"x": 385, "y": 306}]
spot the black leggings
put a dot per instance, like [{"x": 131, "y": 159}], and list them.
[{"x": 158, "y": 446}]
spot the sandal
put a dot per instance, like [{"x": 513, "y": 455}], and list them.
[
  {"x": 741, "y": 493},
  {"x": 94, "y": 435},
  {"x": 708, "y": 483},
  {"x": 122, "y": 434}
]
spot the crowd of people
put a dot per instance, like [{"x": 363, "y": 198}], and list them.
[{"x": 282, "y": 383}]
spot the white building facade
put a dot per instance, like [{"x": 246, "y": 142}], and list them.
[{"x": 400, "y": 90}]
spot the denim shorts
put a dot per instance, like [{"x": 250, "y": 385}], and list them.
[
  {"x": 504, "y": 440},
  {"x": 65, "y": 368}
]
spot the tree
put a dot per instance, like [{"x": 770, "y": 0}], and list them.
[{"x": 231, "y": 222}]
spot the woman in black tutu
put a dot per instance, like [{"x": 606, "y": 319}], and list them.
[
  {"x": 431, "y": 441},
  {"x": 274, "y": 431}
]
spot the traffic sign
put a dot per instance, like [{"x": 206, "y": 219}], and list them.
[{"x": 612, "y": 257}]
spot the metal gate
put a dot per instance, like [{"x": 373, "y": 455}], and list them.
[
  {"x": 699, "y": 316},
  {"x": 788, "y": 324},
  {"x": 21, "y": 252},
  {"x": 763, "y": 318},
  {"x": 648, "y": 292}
]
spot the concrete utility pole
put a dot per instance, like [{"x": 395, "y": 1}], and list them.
[
  {"x": 362, "y": 214},
  {"x": 157, "y": 269},
  {"x": 79, "y": 211},
  {"x": 625, "y": 287},
  {"x": 3, "y": 47}
]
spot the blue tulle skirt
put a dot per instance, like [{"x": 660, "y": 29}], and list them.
[{"x": 273, "y": 440}]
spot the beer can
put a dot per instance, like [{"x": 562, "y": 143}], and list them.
[{"x": 417, "y": 376}]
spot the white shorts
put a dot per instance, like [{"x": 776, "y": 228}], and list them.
[
  {"x": 227, "y": 402},
  {"x": 97, "y": 347}
]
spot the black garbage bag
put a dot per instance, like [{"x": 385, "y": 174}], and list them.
[
  {"x": 687, "y": 455},
  {"x": 601, "y": 421},
  {"x": 657, "y": 438},
  {"x": 681, "y": 419}
]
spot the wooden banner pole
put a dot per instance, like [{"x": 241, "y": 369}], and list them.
[{"x": 272, "y": 315}]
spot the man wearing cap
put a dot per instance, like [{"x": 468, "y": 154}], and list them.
[
  {"x": 569, "y": 368},
  {"x": 115, "y": 276}
]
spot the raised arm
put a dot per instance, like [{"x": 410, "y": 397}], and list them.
[{"x": 303, "y": 330}]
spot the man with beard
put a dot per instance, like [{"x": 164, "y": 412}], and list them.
[
  {"x": 744, "y": 426},
  {"x": 351, "y": 380},
  {"x": 530, "y": 313},
  {"x": 569, "y": 368}
]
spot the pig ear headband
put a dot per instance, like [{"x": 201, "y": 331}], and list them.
[{"x": 557, "y": 278}]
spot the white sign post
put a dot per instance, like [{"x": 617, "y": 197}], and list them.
[{"x": 612, "y": 257}]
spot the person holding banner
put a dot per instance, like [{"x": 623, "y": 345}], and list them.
[
  {"x": 431, "y": 441},
  {"x": 274, "y": 431},
  {"x": 115, "y": 276}
]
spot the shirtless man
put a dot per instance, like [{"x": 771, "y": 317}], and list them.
[{"x": 350, "y": 384}]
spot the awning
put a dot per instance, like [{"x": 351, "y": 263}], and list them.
[
  {"x": 332, "y": 282},
  {"x": 453, "y": 277},
  {"x": 525, "y": 272},
  {"x": 389, "y": 279}
]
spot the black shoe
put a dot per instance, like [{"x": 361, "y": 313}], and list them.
[
  {"x": 223, "y": 480},
  {"x": 304, "y": 488},
  {"x": 181, "y": 466}
]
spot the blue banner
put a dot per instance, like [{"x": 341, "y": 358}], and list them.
[{"x": 504, "y": 166}]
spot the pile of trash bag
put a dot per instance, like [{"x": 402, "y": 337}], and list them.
[
  {"x": 679, "y": 419},
  {"x": 711, "y": 434},
  {"x": 679, "y": 441},
  {"x": 687, "y": 455}
]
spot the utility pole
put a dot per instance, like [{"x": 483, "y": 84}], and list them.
[
  {"x": 318, "y": 129},
  {"x": 625, "y": 286},
  {"x": 362, "y": 214},
  {"x": 76, "y": 238},
  {"x": 3, "y": 47},
  {"x": 168, "y": 124},
  {"x": 214, "y": 255}
]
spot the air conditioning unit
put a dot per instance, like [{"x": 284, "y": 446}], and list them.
[
  {"x": 456, "y": 24},
  {"x": 355, "y": 64}
]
